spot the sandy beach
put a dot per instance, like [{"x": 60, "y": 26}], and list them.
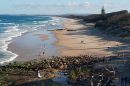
[
  {"x": 76, "y": 38},
  {"x": 64, "y": 43},
  {"x": 85, "y": 39}
]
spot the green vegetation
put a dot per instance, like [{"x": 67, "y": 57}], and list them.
[
  {"x": 115, "y": 23},
  {"x": 48, "y": 82},
  {"x": 3, "y": 78},
  {"x": 21, "y": 72},
  {"x": 73, "y": 76},
  {"x": 79, "y": 74}
]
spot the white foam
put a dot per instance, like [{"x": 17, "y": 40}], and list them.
[
  {"x": 5, "y": 39},
  {"x": 43, "y": 22},
  {"x": 8, "y": 35},
  {"x": 55, "y": 21},
  {"x": 7, "y": 23},
  {"x": 5, "y": 60}
]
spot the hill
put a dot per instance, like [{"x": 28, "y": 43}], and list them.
[{"x": 115, "y": 23}]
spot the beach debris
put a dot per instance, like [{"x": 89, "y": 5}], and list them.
[
  {"x": 71, "y": 30},
  {"x": 39, "y": 75},
  {"x": 38, "y": 72}
]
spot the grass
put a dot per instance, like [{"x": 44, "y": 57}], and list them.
[
  {"x": 48, "y": 82},
  {"x": 3, "y": 78},
  {"x": 73, "y": 76},
  {"x": 79, "y": 73}
]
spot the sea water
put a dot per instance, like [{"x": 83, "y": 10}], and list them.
[{"x": 12, "y": 26}]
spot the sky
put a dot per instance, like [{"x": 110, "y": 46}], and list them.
[{"x": 61, "y": 6}]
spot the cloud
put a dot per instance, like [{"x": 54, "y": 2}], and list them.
[
  {"x": 28, "y": 6},
  {"x": 74, "y": 5},
  {"x": 87, "y": 4},
  {"x": 69, "y": 5}
]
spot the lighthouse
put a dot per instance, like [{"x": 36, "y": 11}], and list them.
[{"x": 103, "y": 10}]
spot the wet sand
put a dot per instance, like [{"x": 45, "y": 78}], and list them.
[
  {"x": 31, "y": 46},
  {"x": 85, "y": 39},
  {"x": 43, "y": 37}
]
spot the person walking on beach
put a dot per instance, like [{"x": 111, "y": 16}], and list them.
[
  {"x": 44, "y": 50},
  {"x": 82, "y": 41},
  {"x": 43, "y": 53}
]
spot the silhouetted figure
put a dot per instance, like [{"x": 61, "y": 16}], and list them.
[
  {"x": 43, "y": 53},
  {"x": 125, "y": 81},
  {"x": 108, "y": 47},
  {"x": 122, "y": 81}
]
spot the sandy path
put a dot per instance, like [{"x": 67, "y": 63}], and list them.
[{"x": 94, "y": 41}]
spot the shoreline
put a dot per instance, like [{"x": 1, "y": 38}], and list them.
[
  {"x": 68, "y": 40},
  {"x": 39, "y": 38},
  {"x": 7, "y": 43},
  {"x": 30, "y": 46},
  {"x": 72, "y": 53},
  {"x": 76, "y": 54}
]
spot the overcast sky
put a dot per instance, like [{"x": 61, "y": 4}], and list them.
[{"x": 61, "y": 6}]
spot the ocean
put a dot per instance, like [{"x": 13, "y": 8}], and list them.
[{"x": 12, "y": 26}]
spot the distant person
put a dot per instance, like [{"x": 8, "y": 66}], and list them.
[
  {"x": 82, "y": 41},
  {"x": 122, "y": 81},
  {"x": 125, "y": 81},
  {"x": 43, "y": 53},
  {"x": 108, "y": 47}
]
